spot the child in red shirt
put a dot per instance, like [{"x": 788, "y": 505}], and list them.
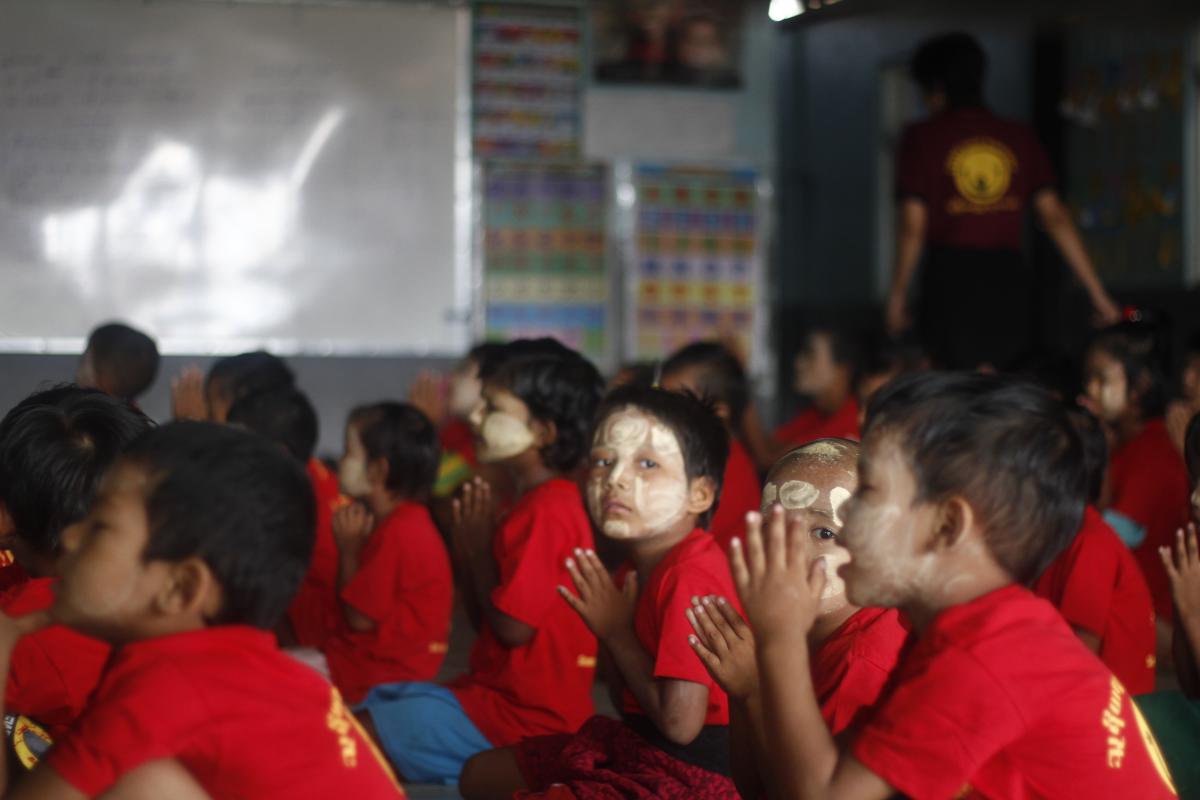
[
  {"x": 54, "y": 446},
  {"x": 1148, "y": 486},
  {"x": 532, "y": 665},
  {"x": 1096, "y": 584},
  {"x": 395, "y": 590},
  {"x": 709, "y": 370},
  {"x": 855, "y": 649},
  {"x": 968, "y": 485},
  {"x": 656, "y": 462},
  {"x": 189, "y": 557}
]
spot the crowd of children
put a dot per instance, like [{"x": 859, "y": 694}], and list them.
[{"x": 937, "y": 584}]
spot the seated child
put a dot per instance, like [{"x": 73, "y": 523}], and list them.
[
  {"x": 395, "y": 587},
  {"x": 825, "y": 371},
  {"x": 197, "y": 540},
  {"x": 1096, "y": 584},
  {"x": 968, "y": 485},
  {"x": 854, "y": 650},
  {"x": 710, "y": 371},
  {"x": 195, "y": 395},
  {"x": 1181, "y": 410},
  {"x": 285, "y": 416},
  {"x": 118, "y": 360},
  {"x": 886, "y": 361},
  {"x": 54, "y": 446},
  {"x": 533, "y": 661},
  {"x": 1148, "y": 486},
  {"x": 656, "y": 463}
]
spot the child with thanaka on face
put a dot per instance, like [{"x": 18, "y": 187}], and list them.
[
  {"x": 656, "y": 465},
  {"x": 854, "y": 650},
  {"x": 185, "y": 563},
  {"x": 533, "y": 661},
  {"x": 968, "y": 486}
]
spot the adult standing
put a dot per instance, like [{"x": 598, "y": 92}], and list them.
[{"x": 965, "y": 180}]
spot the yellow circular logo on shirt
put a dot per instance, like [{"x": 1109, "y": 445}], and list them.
[{"x": 982, "y": 170}]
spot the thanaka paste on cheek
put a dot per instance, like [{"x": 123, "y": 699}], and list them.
[
  {"x": 837, "y": 496},
  {"x": 834, "y": 586},
  {"x": 504, "y": 436},
  {"x": 657, "y": 498}
]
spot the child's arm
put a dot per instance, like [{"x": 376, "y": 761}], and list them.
[
  {"x": 725, "y": 644},
  {"x": 1183, "y": 570},
  {"x": 780, "y": 590},
  {"x": 676, "y": 707},
  {"x": 352, "y": 528},
  {"x": 471, "y": 537}
]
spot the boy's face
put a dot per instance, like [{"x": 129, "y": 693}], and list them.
[
  {"x": 107, "y": 590},
  {"x": 1106, "y": 386},
  {"x": 637, "y": 484},
  {"x": 886, "y": 530},
  {"x": 502, "y": 425},
  {"x": 352, "y": 467},
  {"x": 815, "y": 369},
  {"x": 813, "y": 486},
  {"x": 465, "y": 389}
]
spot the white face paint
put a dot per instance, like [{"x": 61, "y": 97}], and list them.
[
  {"x": 638, "y": 484},
  {"x": 798, "y": 494},
  {"x": 834, "y": 585},
  {"x": 770, "y": 496},
  {"x": 503, "y": 436},
  {"x": 837, "y": 496}
]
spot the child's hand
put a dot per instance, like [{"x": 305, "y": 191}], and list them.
[
  {"x": 1184, "y": 572},
  {"x": 779, "y": 588},
  {"x": 352, "y": 526},
  {"x": 427, "y": 396},
  {"x": 187, "y": 395},
  {"x": 473, "y": 514},
  {"x": 607, "y": 610},
  {"x": 725, "y": 644}
]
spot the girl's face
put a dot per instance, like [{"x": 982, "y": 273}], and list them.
[
  {"x": 813, "y": 489},
  {"x": 502, "y": 425},
  {"x": 638, "y": 483},
  {"x": 1106, "y": 385},
  {"x": 352, "y": 468},
  {"x": 814, "y": 368}
]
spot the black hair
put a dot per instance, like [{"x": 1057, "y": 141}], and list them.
[
  {"x": 236, "y": 501},
  {"x": 405, "y": 437},
  {"x": 54, "y": 447},
  {"x": 1191, "y": 448},
  {"x": 722, "y": 379},
  {"x": 484, "y": 351},
  {"x": 284, "y": 415},
  {"x": 558, "y": 386},
  {"x": 636, "y": 373},
  {"x": 1137, "y": 347},
  {"x": 126, "y": 357},
  {"x": 952, "y": 63},
  {"x": 1005, "y": 445},
  {"x": 493, "y": 359},
  {"x": 1095, "y": 450},
  {"x": 238, "y": 377},
  {"x": 702, "y": 436}
]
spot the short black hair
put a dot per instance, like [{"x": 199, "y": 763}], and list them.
[
  {"x": 1137, "y": 346},
  {"x": 1191, "y": 448},
  {"x": 722, "y": 378},
  {"x": 886, "y": 355},
  {"x": 54, "y": 447},
  {"x": 702, "y": 436},
  {"x": 484, "y": 351},
  {"x": 558, "y": 386},
  {"x": 127, "y": 358},
  {"x": 1095, "y": 450},
  {"x": 284, "y": 415},
  {"x": 493, "y": 359},
  {"x": 238, "y": 377},
  {"x": 1005, "y": 445},
  {"x": 236, "y": 501},
  {"x": 952, "y": 63},
  {"x": 405, "y": 437}
]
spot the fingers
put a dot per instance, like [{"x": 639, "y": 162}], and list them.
[
  {"x": 776, "y": 544},
  {"x": 1193, "y": 552},
  {"x": 573, "y": 601},
  {"x": 456, "y": 511},
  {"x": 797, "y": 542},
  {"x": 581, "y": 584},
  {"x": 631, "y": 586},
  {"x": 702, "y": 623},
  {"x": 1169, "y": 563},
  {"x": 755, "y": 557},
  {"x": 737, "y": 625},
  {"x": 737, "y": 566},
  {"x": 707, "y": 657}
]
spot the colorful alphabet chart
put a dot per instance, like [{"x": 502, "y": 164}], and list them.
[
  {"x": 545, "y": 272},
  {"x": 696, "y": 260},
  {"x": 527, "y": 71}
]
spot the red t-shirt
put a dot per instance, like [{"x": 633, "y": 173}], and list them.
[
  {"x": 314, "y": 612},
  {"x": 544, "y": 686},
  {"x": 1150, "y": 486},
  {"x": 975, "y": 173},
  {"x": 811, "y": 424},
  {"x": 1000, "y": 699},
  {"x": 741, "y": 492},
  {"x": 457, "y": 437},
  {"x": 54, "y": 671},
  {"x": 243, "y": 718},
  {"x": 11, "y": 573},
  {"x": 1097, "y": 585},
  {"x": 405, "y": 585},
  {"x": 693, "y": 568},
  {"x": 852, "y": 666}
]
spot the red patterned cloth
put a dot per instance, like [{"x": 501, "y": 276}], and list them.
[{"x": 607, "y": 760}]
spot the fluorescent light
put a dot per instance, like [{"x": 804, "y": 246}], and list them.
[{"x": 785, "y": 9}]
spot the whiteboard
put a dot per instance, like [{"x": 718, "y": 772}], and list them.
[{"x": 234, "y": 175}]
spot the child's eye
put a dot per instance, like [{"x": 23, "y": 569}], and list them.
[
  {"x": 824, "y": 534},
  {"x": 647, "y": 463},
  {"x": 602, "y": 462}
]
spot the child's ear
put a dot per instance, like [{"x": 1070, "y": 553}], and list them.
[
  {"x": 722, "y": 411},
  {"x": 190, "y": 588},
  {"x": 545, "y": 432},
  {"x": 953, "y": 523},
  {"x": 702, "y": 493}
]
